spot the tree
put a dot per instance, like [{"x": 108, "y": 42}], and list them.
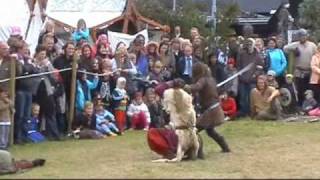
[
  {"x": 226, "y": 18},
  {"x": 309, "y": 11},
  {"x": 189, "y": 13}
]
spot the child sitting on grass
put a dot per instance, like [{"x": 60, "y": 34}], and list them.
[
  {"x": 309, "y": 102},
  {"x": 229, "y": 105},
  {"x": 105, "y": 121},
  {"x": 85, "y": 124},
  {"x": 32, "y": 126},
  {"x": 138, "y": 113}
]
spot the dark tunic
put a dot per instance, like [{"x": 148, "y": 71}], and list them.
[{"x": 206, "y": 87}]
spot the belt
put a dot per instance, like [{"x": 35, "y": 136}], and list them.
[
  {"x": 215, "y": 105},
  {"x": 183, "y": 127}
]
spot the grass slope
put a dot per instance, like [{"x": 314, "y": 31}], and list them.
[{"x": 260, "y": 150}]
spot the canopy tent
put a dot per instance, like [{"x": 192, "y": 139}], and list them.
[
  {"x": 23, "y": 14},
  {"x": 13, "y": 13},
  {"x": 100, "y": 14},
  {"x": 94, "y": 12},
  {"x": 35, "y": 27},
  {"x": 133, "y": 16}
]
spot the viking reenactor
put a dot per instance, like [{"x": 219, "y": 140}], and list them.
[{"x": 204, "y": 86}]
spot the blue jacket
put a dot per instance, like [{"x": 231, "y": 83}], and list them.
[
  {"x": 80, "y": 97},
  {"x": 106, "y": 115},
  {"x": 78, "y": 35},
  {"x": 143, "y": 65},
  {"x": 277, "y": 61}
]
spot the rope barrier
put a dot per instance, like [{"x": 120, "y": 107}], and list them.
[
  {"x": 51, "y": 72},
  {"x": 245, "y": 69},
  {"x": 97, "y": 74},
  {"x": 36, "y": 75}
]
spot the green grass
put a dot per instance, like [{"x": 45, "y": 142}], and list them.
[{"x": 259, "y": 150}]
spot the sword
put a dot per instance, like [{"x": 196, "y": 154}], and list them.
[{"x": 245, "y": 69}]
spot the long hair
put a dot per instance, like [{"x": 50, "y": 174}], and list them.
[
  {"x": 200, "y": 70},
  {"x": 87, "y": 46},
  {"x": 81, "y": 21},
  {"x": 66, "y": 45},
  {"x": 264, "y": 79}
]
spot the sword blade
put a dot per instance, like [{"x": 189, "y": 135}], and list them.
[{"x": 245, "y": 69}]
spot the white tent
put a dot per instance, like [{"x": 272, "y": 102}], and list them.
[
  {"x": 17, "y": 13},
  {"x": 94, "y": 12},
  {"x": 34, "y": 28},
  {"x": 13, "y": 13}
]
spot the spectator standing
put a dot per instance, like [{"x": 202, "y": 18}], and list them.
[
  {"x": 315, "y": 75},
  {"x": 25, "y": 89},
  {"x": 185, "y": 64},
  {"x": 120, "y": 102},
  {"x": 6, "y": 108},
  {"x": 45, "y": 94},
  {"x": 247, "y": 80},
  {"x": 304, "y": 50},
  {"x": 276, "y": 60},
  {"x": 65, "y": 61},
  {"x": 82, "y": 33}
]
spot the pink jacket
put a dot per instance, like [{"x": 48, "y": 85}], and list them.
[{"x": 315, "y": 69}]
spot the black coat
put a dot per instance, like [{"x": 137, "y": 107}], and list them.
[
  {"x": 62, "y": 62},
  {"x": 181, "y": 66}
]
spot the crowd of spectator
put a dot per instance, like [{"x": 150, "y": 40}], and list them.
[{"x": 115, "y": 90}]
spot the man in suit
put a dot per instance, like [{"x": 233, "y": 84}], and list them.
[{"x": 185, "y": 64}]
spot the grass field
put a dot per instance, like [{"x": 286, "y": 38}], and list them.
[{"x": 259, "y": 150}]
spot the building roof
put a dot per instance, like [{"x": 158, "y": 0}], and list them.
[{"x": 257, "y": 6}]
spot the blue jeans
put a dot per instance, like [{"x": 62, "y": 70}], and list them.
[
  {"x": 244, "y": 98},
  {"x": 23, "y": 113},
  {"x": 4, "y": 136},
  {"x": 107, "y": 129}
]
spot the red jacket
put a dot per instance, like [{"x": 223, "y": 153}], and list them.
[{"x": 229, "y": 106}]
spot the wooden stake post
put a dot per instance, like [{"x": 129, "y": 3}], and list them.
[
  {"x": 12, "y": 93},
  {"x": 73, "y": 90}
]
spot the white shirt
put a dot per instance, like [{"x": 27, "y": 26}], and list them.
[
  {"x": 135, "y": 108},
  {"x": 188, "y": 66},
  {"x": 1, "y": 61}
]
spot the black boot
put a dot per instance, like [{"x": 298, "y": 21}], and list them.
[
  {"x": 223, "y": 144},
  {"x": 200, "y": 151},
  {"x": 219, "y": 139}
]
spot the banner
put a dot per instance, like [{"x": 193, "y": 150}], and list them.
[{"x": 115, "y": 38}]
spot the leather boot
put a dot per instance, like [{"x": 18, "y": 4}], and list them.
[
  {"x": 219, "y": 139},
  {"x": 223, "y": 144},
  {"x": 200, "y": 151}
]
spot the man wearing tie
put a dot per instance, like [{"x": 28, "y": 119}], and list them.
[{"x": 185, "y": 64}]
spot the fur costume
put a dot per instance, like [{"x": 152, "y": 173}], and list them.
[{"x": 178, "y": 104}]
